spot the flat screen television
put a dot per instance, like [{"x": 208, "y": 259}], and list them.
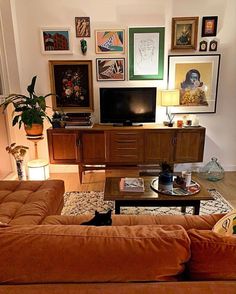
[{"x": 128, "y": 106}]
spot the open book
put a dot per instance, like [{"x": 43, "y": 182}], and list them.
[{"x": 131, "y": 185}]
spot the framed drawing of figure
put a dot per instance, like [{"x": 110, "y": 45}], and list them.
[
  {"x": 196, "y": 76},
  {"x": 146, "y": 53},
  {"x": 72, "y": 82},
  {"x": 82, "y": 27},
  {"x": 184, "y": 33}
]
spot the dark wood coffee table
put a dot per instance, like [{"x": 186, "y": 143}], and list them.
[{"x": 151, "y": 198}]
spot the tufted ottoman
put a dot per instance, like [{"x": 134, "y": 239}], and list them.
[{"x": 29, "y": 202}]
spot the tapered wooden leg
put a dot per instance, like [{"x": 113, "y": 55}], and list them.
[{"x": 80, "y": 173}]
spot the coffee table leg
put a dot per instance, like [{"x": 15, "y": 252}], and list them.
[
  {"x": 196, "y": 207},
  {"x": 183, "y": 209},
  {"x": 117, "y": 207}
]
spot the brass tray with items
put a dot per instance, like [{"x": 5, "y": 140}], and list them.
[{"x": 177, "y": 190}]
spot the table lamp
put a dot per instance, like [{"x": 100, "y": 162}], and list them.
[{"x": 169, "y": 98}]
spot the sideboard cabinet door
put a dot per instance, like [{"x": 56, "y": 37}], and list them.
[
  {"x": 189, "y": 145},
  {"x": 63, "y": 147},
  {"x": 159, "y": 146},
  {"x": 93, "y": 147}
]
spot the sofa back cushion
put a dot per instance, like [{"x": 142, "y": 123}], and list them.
[
  {"x": 44, "y": 254},
  {"x": 213, "y": 256}
]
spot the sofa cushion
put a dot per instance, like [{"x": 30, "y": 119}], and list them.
[
  {"x": 213, "y": 257},
  {"x": 226, "y": 226},
  {"x": 201, "y": 222},
  {"x": 29, "y": 202},
  {"x": 44, "y": 254}
]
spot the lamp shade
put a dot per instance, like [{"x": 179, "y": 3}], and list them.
[
  {"x": 169, "y": 97},
  {"x": 38, "y": 169}
]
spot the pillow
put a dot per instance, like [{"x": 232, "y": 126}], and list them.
[
  {"x": 213, "y": 256},
  {"x": 226, "y": 226},
  {"x": 64, "y": 254}
]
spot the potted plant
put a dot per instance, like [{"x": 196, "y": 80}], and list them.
[{"x": 29, "y": 110}]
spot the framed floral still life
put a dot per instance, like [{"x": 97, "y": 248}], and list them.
[
  {"x": 197, "y": 78},
  {"x": 184, "y": 33},
  {"x": 110, "y": 69},
  {"x": 82, "y": 27},
  {"x": 72, "y": 83},
  {"x": 209, "y": 26},
  {"x": 109, "y": 41},
  {"x": 56, "y": 41},
  {"x": 146, "y": 53}
]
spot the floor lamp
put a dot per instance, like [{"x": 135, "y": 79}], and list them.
[
  {"x": 169, "y": 98},
  {"x": 38, "y": 169}
]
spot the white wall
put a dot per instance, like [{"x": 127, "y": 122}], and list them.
[{"x": 29, "y": 15}]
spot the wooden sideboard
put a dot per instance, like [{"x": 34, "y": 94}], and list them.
[{"x": 125, "y": 146}]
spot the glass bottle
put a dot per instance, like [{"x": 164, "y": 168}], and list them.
[{"x": 212, "y": 171}]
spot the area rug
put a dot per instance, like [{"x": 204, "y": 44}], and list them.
[{"x": 87, "y": 202}]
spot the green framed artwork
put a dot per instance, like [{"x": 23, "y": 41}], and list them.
[{"x": 146, "y": 53}]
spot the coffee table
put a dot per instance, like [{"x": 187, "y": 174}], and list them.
[{"x": 150, "y": 198}]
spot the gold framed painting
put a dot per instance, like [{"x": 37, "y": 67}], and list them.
[
  {"x": 72, "y": 84},
  {"x": 196, "y": 76},
  {"x": 184, "y": 33}
]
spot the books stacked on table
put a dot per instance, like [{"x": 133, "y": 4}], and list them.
[
  {"x": 132, "y": 185},
  {"x": 77, "y": 120}
]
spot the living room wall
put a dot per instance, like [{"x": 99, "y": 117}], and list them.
[{"x": 24, "y": 18}]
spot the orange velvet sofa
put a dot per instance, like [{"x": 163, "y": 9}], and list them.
[{"x": 49, "y": 253}]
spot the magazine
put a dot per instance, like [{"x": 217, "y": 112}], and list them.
[{"x": 132, "y": 185}]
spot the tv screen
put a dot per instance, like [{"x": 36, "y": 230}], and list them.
[{"x": 127, "y": 105}]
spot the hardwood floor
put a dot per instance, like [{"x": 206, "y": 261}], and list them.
[{"x": 94, "y": 181}]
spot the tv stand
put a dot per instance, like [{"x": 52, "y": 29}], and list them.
[{"x": 105, "y": 147}]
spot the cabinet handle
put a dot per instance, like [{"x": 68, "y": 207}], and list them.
[
  {"x": 174, "y": 140},
  {"x": 78, "y": 142}
]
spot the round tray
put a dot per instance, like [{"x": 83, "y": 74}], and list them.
[{"x": 194, "y": 188}]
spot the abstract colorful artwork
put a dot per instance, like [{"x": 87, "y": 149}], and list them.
[
  {"x": 110, "y": 69},
  {"x": 111, "y": 41}
]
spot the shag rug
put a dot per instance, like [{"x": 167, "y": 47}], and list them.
[{"x": 87, "y": 202}]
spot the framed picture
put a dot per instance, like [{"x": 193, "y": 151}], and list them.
[
  {"x": 196, "y": 76},
  {"x": 82, "y": 27},
  {"x": 72, "y": 82},
  {"x": 209, "y": 26},
  {"x": 213, "y": 45},
  {"x": 109, "y": 41},
  {"x": 56, "y": 41},
  {"x": 146, "y": 53},
  {"x": 184, "y": 33},
  {"x": 203, "y": 46},
  {"x": 110, "y": 69}
]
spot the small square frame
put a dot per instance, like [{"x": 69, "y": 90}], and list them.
[
  {"x": 203, "y": 46},
  {"x": 209, "y": 26},
  {"x": 56, "y": 40},
  {"x": 184, "y": 33},
  {"x": 82, "y": 27},
  {"x": 213, "y": 45},
  {"x": 110, "y": 69}
]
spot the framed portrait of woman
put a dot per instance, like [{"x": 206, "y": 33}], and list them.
[
  {"x": 184, "y": 33},
  {"x": 196, "y": 76}
]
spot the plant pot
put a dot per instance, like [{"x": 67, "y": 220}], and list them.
[{"x": 34, "y": 130}]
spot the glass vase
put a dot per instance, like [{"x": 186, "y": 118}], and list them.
[
  {"x": 20, "y": 169},
  {"x": 212, "y": 171}
]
